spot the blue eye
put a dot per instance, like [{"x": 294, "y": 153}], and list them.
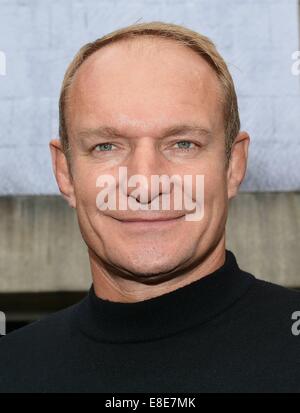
[
  {"x": 105, "y": 147},
  {"x": 185, "y": 145}
]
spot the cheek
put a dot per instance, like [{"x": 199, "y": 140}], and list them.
[
  {"x": 215, "y": 183},
  {"x": 85, "y": 185},
  {"x": 215, "y": 190}
]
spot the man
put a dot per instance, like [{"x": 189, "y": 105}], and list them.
[{"x": 169, "y": 309}]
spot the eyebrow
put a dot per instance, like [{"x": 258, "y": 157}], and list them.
[{"x": 110, "y": 132}]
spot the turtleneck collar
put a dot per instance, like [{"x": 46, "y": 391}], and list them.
[{"x": 167, "y": 314}]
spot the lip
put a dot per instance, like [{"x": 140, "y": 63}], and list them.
[{"x": 151, "y": 223}]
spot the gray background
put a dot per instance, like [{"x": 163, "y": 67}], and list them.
[{"x": 256, "y": 38}]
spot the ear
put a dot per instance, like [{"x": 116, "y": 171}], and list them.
[
  {"x": 237, "y": 163},
  {"x": 61, "y": 172}
]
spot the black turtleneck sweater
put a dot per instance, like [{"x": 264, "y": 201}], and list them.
[{"x": 227, "y": 332}]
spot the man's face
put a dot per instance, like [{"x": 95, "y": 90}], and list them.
[{"x": 142, "y": 91}]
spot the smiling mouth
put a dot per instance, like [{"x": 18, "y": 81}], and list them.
[
  {"x": 148, "y": 218},
  {"x": 150, "y": 223}
]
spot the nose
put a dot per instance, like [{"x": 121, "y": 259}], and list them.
[{"x": 144, "y": 162}]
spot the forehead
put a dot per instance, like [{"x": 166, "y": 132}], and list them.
[{"x": 144, "y": 83}]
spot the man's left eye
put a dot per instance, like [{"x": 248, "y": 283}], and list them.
[{"x": 185, "y": 145}]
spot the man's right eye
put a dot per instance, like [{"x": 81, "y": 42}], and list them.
[{"x": 103, "y": 147}]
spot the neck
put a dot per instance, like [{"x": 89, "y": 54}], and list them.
[{"x": 112, "y": 287}]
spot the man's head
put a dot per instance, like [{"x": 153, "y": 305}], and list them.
[{"x": 123, "y": 93}]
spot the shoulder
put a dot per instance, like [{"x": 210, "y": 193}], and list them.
[
  {"x": 271, "y": 309},
  {"x": 31, "y": 355},
  {"x": 270, "y": 294},
  {"x": 38, "y": 340},
  {"x": 57, "y": 321}
]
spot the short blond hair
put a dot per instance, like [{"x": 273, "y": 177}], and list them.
[{"x": 202, "y": 45}]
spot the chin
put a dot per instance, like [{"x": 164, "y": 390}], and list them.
[{"x": 152, "y": 266}]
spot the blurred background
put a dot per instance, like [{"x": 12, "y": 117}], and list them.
[{"x": 43, "y": 261}]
